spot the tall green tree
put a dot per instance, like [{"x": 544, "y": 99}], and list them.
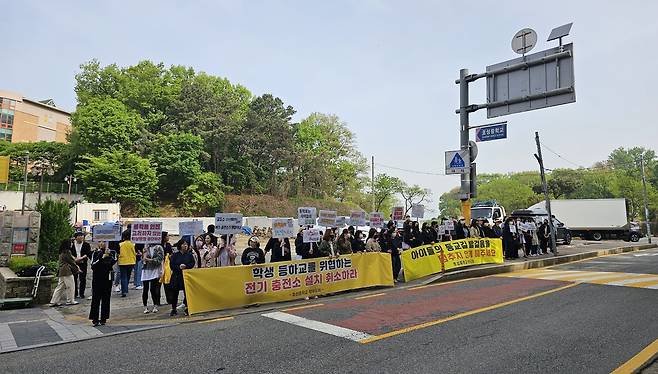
[
  {"x": 177, "y": 159},
  {"x": 386, "y": 187},
  {"x": 55, "y": 228},
  {"x": 121, "y": 176},
  {"x": 103, "y": 124}
]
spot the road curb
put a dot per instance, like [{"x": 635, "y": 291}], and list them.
[
  {"x": 532, "y": 264},
  {"x": 61, "y": 342}
]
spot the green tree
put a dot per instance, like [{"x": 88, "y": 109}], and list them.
[
  {"x": 412, "y": 195},
  {"x": 202, "y": 198},
  {"x": 121, "y": 176},
  {"x": 55, "y": 228},
  {"x": 177, "y": 159},
  {"x": 562, "y": 183},
  {"x": 510, "y": 193},
  {"x": 449, "y": 203},
  {"x": 386, "y": 187},
  {"x": 103, "y": 124}
]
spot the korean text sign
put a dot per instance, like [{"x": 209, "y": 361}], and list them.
[
  {"x": 146, "y": 232},
  {"x": 377, "y": 220},
  {"x": 327, "y": 218},
  {"x": 426, "y": 260},
  {"x": 306, "y": 216},
  {"x": 187, "y": 228},
  {"x": 311, "y": 236},
  {"x": 283, "y": 281},
  {"x": 398, "y": 213},
  {"x": 357, "y": 218},
  {"x": 283, "y": 228},
  {"x": 228, "y": 223}
]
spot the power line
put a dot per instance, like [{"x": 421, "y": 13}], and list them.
[
  {"x": 409, "y": 170},
  {"x": 558, "y": 155}
]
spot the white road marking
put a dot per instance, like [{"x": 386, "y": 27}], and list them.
[
  {"x": 326, "y": 328},
  {"x": 631, "y": 281},
  {"x": 7, "y": 340}
]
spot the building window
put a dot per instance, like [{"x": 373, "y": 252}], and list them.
[
  {"x": 100, "y": 215},
  {"x": 7, "y": 107}
]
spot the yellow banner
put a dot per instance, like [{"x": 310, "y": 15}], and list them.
[
  {"x": 4, "y": 169},
  {"x": 426, "y": 260},
  {"x": 209, "y": 289}
]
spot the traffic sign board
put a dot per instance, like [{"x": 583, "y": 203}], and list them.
[
  {"x": 494, "y": 132},
  {"x": 457, "y": 162}
]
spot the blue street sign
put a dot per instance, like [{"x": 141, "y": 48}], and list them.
[
  {"x": 494, "y": 132},
  {"x": 457, "y": 162}
]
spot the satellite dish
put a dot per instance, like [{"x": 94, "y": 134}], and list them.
[{"x": 524, "y": 41}]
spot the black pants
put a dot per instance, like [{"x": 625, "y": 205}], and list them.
[
  {"x": 174, "y": 297},
  {"x": 100, "y": 297},
  {"x": 154, "y": 286},
  {"x": 397, "y": 265},
  {"x": 543, "y": 244},
  {"x": 169, "y": 293},
  {"x": 82, "y": 279}
]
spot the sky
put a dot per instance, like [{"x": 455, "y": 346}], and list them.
[{"x": 387, "y": 68}]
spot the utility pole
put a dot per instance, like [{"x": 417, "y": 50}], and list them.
[
  {"x": 544, "y": 187},
  {"x": 646, "y": 203},
  {"x": 463, "y": 144},
  {"x": 27, "y": 160},
  {"x": 372, "y": 183}
]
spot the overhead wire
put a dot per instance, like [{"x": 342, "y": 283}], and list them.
[{"x": 409, "y": 170}]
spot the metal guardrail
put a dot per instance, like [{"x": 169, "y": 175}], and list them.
[{"x": 48, "y": 187}]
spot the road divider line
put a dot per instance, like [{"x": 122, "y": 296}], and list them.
[
  {"x": 639, "y": 360},
  {"x": 461, "y": 315},
  {"x": 370, "y": 296},
  {"x": 302, "y": 307},
  {"x": 216, "y": 319},
  {"x": 326, "y": 328}
]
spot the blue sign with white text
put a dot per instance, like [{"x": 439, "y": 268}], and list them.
[{"x": 494, "y": 132}]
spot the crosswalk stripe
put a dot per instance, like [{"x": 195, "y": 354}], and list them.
[
  {"x": 635, "y": 280},
  {"x": 569, "y": 275},
  {"x": 646, "y": 279},
  {"x": 647, "y": 284},
  {"x": 326, "y": 328},
  {"x": 614, "y": 278}
]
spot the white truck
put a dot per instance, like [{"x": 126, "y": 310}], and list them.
[
  {"x": 594, "y": 219},
  {"x": 489, "y": 210}
]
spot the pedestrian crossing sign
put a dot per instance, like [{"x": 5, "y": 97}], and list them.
[{"x": 457, "y": 162}]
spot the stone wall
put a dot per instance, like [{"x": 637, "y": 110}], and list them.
[{"x": 13, "y": 286}]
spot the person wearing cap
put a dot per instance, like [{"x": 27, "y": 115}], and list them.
[
  {"x": 81, "y": 250},
  {"x": 253, "y": 254}
]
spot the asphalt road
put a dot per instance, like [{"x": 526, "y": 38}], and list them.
[{"x": 586, "y": 317}]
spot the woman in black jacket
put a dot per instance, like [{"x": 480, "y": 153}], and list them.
[
  {"x": 102, "y": 260},
  {"x": 358, "y": 245},
  {"x": 280, "y": 249},
  {"x": 181, "y": 260},
  {"x": 510, "y": 240}
]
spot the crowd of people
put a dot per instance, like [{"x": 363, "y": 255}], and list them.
[{"x": 160, "y": 265}]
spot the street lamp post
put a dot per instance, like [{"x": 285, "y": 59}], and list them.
[{"x": 70, "y": 179}]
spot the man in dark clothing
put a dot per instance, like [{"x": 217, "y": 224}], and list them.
[
  {"x": 498, "y": 231},
  {"x": 253, "y": 254},
  {"x": 544, "y": 234},
  {"x": 102, "y": 261},
  {"x": 81, "y": 250},
  {"x": 280, "y": 249},
  {"x": 302, "y": 249},
  {"x": 395, "y": 246},
  {"x": 459, "y": 229},
  {"x": 510, "y": 240},
  {"x": 358, "y": 245}
]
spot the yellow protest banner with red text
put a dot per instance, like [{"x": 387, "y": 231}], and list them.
[
  {"x": 433, "y": 258},
  {"x": 209, "y": 289}
]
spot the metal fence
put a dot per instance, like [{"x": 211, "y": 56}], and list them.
[{"x": 51, "y": 187}]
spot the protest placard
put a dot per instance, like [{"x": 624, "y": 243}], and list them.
[
  {"x": 311, "y": 235},
  {"x": 306, "y": 216},
  {"x": 146, "y": 232},
  {"x": 187, "y": 228},
  {"x": 228, "y": 223},
  {"x": 532, "y": 226},
  {"x": 450, "y": 225},
  {"x": 377, "y": 220},
  {"x": 441, "y": 230},
  {"x": 418, "y": 211},
  {"x": 106, "y": 232},
  {"x": 327, "y": 218},
  {"x": 357, "y": 218},
  {"x": 341, "y": 221},
  {"x": 398, "y": 213},
  {"x": 283, "y": 228}
]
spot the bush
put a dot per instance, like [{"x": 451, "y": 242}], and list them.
[
  {"x": 18, "y": 263},
  {"x": 55, "y": 228},
  {"x": 204, "y": 197},
  {"x": 52, "y": 267}
]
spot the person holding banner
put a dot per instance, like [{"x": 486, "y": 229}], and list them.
[
  {"x": 180, "y": 261},
  {"x": 327, "y": 247},
  {"x": 165, "y": 279},
  {"x": 280, "y": 248},
  {"x": 372, "y": 244},
  {"x": 510, "y": 240},
  {"x": 226, "y": 254},
  {"x": 208, "y": 253},
  {"x": 395, "y": 246},
  {"x": 358, "y": 245},
  {"x": 102, "y": 261},
  {"x": 344, "y": 243},
  {"x": 253, "y": 254},
  {"x": 127, "y": 260},
  {"x": 152, "y": 257}
]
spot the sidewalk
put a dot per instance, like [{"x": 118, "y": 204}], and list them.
[{"x": 40, "y": 326}]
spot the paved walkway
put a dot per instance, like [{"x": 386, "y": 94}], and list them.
[{"x": 38, "y": 326}]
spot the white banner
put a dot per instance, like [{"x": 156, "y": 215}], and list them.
[
  {"x": 341, "y": 221},
  {"x": 283, "y": 228},
  {"x": 357, "y": 218},
  {"x": 306, "y": 216},
  {"x": 107, "y": 232},
  {"x": 188, "y": 228},
  {"x": 228, "y": 223},
  {"x": 327, "y": 218},
  {"x": 146, "y": 232},
  {"x": 377, "y": 220},
  {"x": 418, "y": 211},
  {"x": 311, "y": 235}
]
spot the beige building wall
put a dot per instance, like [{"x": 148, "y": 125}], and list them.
[{"x": 34, "y": 121}]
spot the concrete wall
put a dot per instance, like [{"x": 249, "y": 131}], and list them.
[
  {"x": 12, "y": 200},
  {"x": 12, "y": 286}
]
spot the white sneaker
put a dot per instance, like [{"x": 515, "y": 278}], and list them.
[
  {"x": 117, "y": 289},
  {"x": 182, "y": 306},
  {"x": 146, "y": 310},
  {"x": 155, "y": 309},
  {"x": 139, "y": 288},
  {"x": 88, "y": 297}
]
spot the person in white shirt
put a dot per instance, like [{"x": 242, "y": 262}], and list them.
[{"x": 152, "y": 256}]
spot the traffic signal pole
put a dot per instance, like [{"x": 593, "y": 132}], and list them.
[
  {"x": 463, "y": 142},
  {"x": 544, "y": 187}
]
